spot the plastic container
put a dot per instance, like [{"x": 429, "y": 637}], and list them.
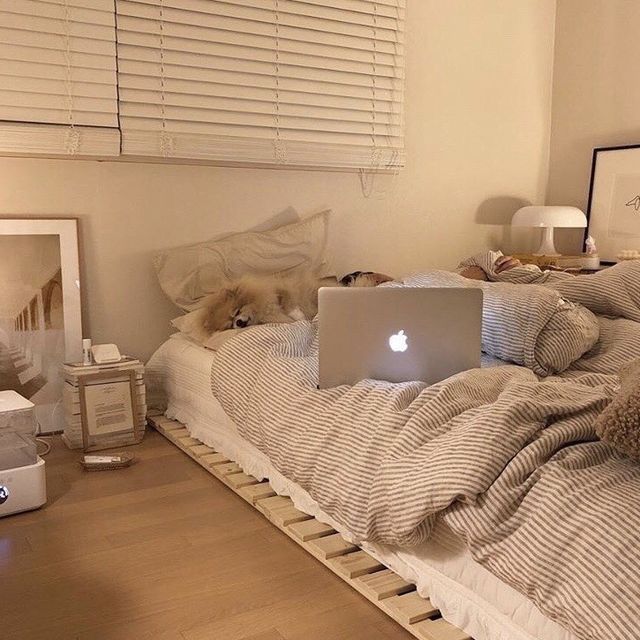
[
  {"x": 16, "y": 450},
  {"x": 17, "y": 414}
]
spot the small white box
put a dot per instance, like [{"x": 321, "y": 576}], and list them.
[
  {"x": 17, "y": 414},
  {"x": 22, "y": 488}
]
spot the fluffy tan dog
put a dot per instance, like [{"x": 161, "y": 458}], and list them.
[{"x": 259, "y": 300}]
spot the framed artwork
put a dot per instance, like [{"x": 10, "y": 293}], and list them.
[
  {"x": 108, "y": 410},
  {"x": 40, "y": 317},
  {"x": 613, "y": 210}
]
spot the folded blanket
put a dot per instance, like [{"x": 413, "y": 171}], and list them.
[{"x": 528, "y": 325}]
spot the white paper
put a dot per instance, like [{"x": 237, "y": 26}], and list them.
[{"x": 108, "y": 408}]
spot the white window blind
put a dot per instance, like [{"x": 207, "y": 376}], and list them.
[
  {"x": 296, "y": 82},
  {"x": 58, "y": 92}
]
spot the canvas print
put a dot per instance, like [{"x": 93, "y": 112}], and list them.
[{"x": 34, "y": 336}]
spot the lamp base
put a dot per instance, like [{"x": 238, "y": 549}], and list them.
[{"x": 546, "y": 247}]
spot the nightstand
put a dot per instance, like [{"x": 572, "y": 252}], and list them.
[{"x": 104, "y": 405}]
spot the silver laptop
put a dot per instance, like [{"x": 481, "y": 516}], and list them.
[{"x": 397, "y": 334}]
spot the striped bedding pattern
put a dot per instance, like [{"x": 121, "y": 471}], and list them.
[
  {"x": 530, "y": 325},
  {"x": 509, "y": 460}
]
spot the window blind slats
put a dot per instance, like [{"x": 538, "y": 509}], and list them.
[
  {"x": 343, "y": 81},
  {"x": 260, "y": 38},
  {"x": 253, "y": 112},
  {"x": 49, "y": 57},
  {"x": 43, "y": 9},
  {"x": 134, "y": 74},
  {"x": 147, "y": 89},
  {"x": 366, "y": 7},
  {"x": 273, "y": 82},
  {"x": 23, "y": 83},
  {"x": 141, "y": 33},
  {"x": 201, "y": 48},
  {"x": 297, "y": 82},
  {"x": 260, "y": 21},
  {"x": 32, "y": 73},
  {"x": 58, "y": 77},
  {"x": 248, "y": 133}
]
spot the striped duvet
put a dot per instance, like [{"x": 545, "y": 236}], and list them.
[{"x": 508, "y": 459}]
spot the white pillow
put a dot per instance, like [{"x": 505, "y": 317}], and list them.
[
  {"x": 189, "y": 273},
  {"x": 190, "y": 325}
]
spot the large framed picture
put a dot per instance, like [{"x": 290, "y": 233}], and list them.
[
  {"x": 40, "y": 316},
  {"x": 614, "y": 201}
]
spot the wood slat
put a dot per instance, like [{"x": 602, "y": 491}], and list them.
[
  {"x": 256, "y": 492},
  {"x": 178, "y": 434},
  {"x": 214, "y": 459},
  {"x": 310, "y": 530},
  {"x": 275, "y": 502},
  {"x": 201, "y": 449},
  {"x": 281, "y": 511},
  {"x": 330, "y": 547},
  {"x": 288, "y": 515},
  {"x": 437, "y": 630},
  {"x": 383, "y": 584},
  {"x": 356, "y": 564},
  {"x": 188, "y": 442},
  {"x": 239, "y": 480},
  {"x": 409, "y": 608},
  {"x": 226, "y": 469}
]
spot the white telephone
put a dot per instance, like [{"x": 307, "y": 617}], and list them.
[{"x": 105, "y": 353}]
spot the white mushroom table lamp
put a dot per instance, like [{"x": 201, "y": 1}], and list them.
[{"x": 548, "y": 218}]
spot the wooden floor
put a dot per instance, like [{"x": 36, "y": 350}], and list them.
[{"x": 163, "y": 551}]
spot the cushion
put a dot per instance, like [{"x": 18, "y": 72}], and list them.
[
  {"x": 619, "y": 423},
  {"x": 190, "y": 325},
  {"x": 189, "y": 273}
]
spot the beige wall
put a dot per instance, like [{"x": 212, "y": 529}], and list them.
[
  {"x": 596, "y": 93},
  {"x": 477, "y": 115}
]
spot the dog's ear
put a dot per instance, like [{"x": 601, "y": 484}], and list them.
[{"x": 228, "y": 293}]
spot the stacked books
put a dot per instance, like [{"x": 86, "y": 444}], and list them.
[{"x": 104, "y": 404}]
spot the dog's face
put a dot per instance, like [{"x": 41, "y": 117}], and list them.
[{"x": 235, "y": 307}]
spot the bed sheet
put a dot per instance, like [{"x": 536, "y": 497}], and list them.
[{"x": 179, "y": 380}]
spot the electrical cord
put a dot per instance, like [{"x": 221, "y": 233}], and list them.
[{"x": 46, "y": 444}]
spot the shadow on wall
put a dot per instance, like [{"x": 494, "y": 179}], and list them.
[{"x": 498, "y": 211}]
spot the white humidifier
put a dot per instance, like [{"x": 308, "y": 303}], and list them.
[{"x": 22, "y": 476}]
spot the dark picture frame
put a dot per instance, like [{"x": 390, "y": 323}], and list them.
[{"x": 613, "y": 204}]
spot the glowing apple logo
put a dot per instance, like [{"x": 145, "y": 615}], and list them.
[{"x": 398, "y": 341}]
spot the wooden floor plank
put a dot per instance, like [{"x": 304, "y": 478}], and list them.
[
  {"x": 162, "y": 551},
  {"x": 396, "y": 597}
]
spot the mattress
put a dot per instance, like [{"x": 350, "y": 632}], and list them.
[{"x": 468, "y": 596}]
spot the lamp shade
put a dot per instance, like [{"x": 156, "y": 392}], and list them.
[{"x": 541, "y": 216}]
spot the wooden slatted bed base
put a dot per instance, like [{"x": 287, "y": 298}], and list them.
[{"x": 387, "y": 590}]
